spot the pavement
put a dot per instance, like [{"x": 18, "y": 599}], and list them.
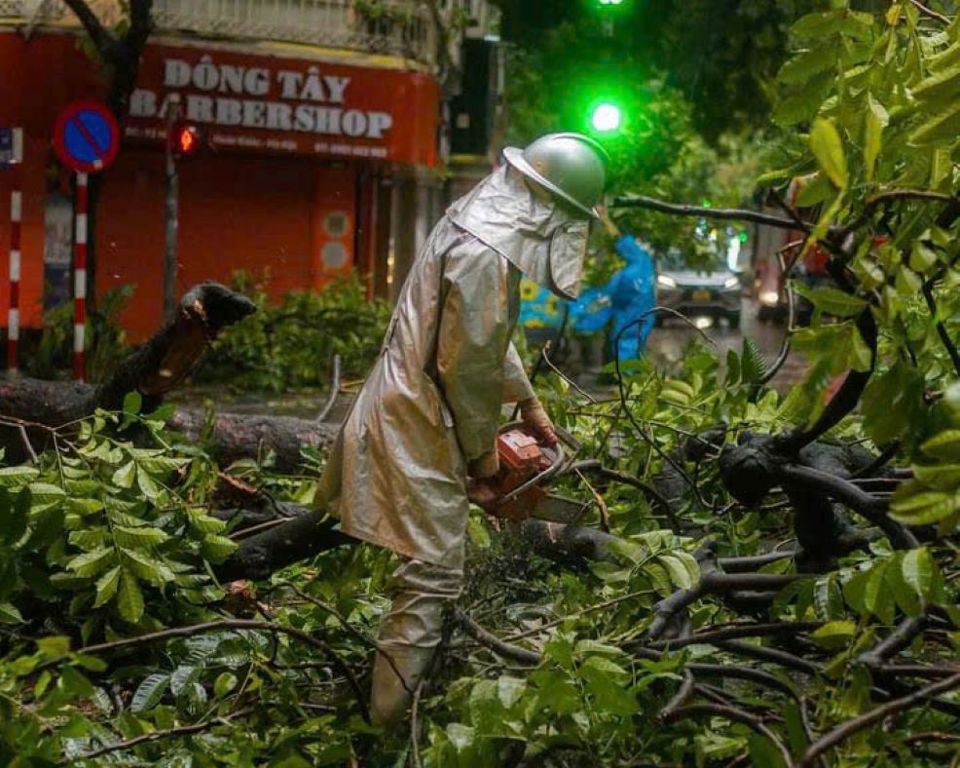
[{"x": 668, "y": 344}]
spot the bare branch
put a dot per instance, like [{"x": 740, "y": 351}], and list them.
[
  {"x": 170, "y": 733},
  {"x": 929, "y": 12},
  {"x": 725, "y": 214},
  {"x": 941, "y": 328},
  {"x": 228, "y": 624},
  {"x": 735, "y": 715},
  {"x": 844, "y": 731},
  {"x": 681, "y": 697},
  {"x": 495, "y": 644},
  {"x": 105, "y": 43}
]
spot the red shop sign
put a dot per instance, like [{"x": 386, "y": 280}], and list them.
[{"x": 284, "y": 105}]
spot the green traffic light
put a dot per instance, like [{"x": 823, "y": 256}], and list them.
[
  {"x": 610, "y": 2},
  {"x": 744, "y": 237},
  {"x": 606, "y": 118}
]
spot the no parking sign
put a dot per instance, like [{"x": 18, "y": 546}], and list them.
[{"x": 86, "y": 137}]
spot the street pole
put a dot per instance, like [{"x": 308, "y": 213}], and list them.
[{"x": 172, "y": 212}]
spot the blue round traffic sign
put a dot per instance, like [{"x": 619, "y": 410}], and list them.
[{"x": 86, "y": 136}]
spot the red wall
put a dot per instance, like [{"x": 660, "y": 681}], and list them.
[{"x": 266, "y": 214}]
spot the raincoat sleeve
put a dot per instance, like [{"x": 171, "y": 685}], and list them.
[
  {"x": 516, "y": 385},
  {"x": 472, "y": 346}
]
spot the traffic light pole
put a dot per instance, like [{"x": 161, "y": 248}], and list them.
[{"x": 172, "y": 213}]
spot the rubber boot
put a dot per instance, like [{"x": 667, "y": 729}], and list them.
[{"x": 409, "y": 635}]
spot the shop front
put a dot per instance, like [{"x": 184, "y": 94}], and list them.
[{"x": 309, "y": 168}]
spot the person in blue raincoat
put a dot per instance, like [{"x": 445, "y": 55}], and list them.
[
  {"x": 623, "y": 301},
  {"x": 632, "y": 294}
]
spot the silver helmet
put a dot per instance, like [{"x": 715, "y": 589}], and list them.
[{"x": 570, "y": 166}]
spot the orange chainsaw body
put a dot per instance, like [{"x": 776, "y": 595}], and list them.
[{"x": 521, "y": 458}]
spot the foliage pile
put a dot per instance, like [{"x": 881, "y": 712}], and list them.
[
  {"x": 291, "y": 344},
  {"x": 781, "y": 588}
]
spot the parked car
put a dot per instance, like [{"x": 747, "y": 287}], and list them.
[{"x": 713, "y": 293}]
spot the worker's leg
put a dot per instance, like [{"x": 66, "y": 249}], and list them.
[{"x": 409, "y": 635}]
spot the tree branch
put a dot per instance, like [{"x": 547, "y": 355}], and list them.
[
  {"x": 105, "y": 43},
  {"x": 726, "y": 214},
  {"x": 844, "y": 731},
  {"x": 734, "y": 714},
  {"x": 941, "y": 328},
  {"x": 847, "y": 493},
  {"x": 929, "y": 12},
  {"x": 495, "y": 644},
  {"x": 170, "y": 733},
  {"x": 228, "y": 624}
]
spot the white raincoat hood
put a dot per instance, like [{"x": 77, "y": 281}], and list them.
[{"x": 539, "y": 238}]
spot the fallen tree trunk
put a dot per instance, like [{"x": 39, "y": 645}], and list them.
[
  {"x": 235, "y": 436},
  {"x": 153, "y": 370},
  {"x": 301, "y": 533}
]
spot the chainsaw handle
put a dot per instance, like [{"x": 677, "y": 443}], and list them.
[{"x": 555, "y": 466}]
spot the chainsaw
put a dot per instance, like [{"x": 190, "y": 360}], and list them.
[{"x": 526, "y": 467}]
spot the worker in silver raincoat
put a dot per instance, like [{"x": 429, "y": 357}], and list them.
[{"x": 422, "y": 433}]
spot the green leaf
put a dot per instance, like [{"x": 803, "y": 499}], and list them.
[
  {"x": 10, "y": 614},
  {"x": 805, "y": 65},
  {"x": 139, "y": 537},
  {"x": 107, "y": 586},
  {"x": 817, "y": 26},
  {"x": 45, "y": 495},
  {"x": 893, "y": 403},
  {"x": 939, "y": 477},
  {"x": 90, "y": 564},
  {"x": 216, "y": 548},
  {"x": 876, "y": 120},
  {"x": 945, "y": 445},
  {"x": 204, "y": 523},
  {"x": 831, "y": 300},
  {"x": 161, "y": 466},
  {"x": 17, "y": 477},
  {"x": 147, "y": 568},
  {"x": 225, "y": 682},
  {"x": 130, "y": 598},
  {"x": 510, "y": 689},
  {"x": 149, "y": 692},
  {"x": 753, "y": 365},
  {"x": 478, "y": 532},
  {"x": 944, "y": 125},
  {"x": 132, "y": 403},
  {"x": 147, "y": 485},
  {"x": 827, "y": 147},
  {"x": 918, "y": 568},
  {"x": 682, "y": 567},
  {"x": 942, "y": 87},
  {"x": 183, "y": 678},
  {"x": 461, "y": 736},
  {"x": 834, "y": 634},
  {"x": 817, "y": 190},
  {"x": 124, "y": 477}
]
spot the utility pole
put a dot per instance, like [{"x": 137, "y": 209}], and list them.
[{"x": 172, "y": 210}]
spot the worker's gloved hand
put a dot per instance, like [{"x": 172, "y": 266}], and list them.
[
  {"x": 481, "y": 493},
  {"x": 536, "y": 420},
  {"x": 486, "y": 466}
]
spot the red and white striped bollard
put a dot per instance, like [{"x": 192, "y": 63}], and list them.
[
  {"x": 16, "y": 217},
  {"x": 80, "y": 280}
]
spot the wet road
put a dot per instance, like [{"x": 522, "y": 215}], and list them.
[{"x": 667, "y": 344}]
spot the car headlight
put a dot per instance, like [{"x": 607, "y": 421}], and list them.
[
  {"x": 769, "y": 298},
  {"x": 666, "y": 281},
  {"x": 732, "y": 282}
]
